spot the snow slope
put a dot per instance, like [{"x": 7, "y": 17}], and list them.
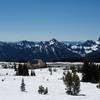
[{"x": 10, "y": 87}]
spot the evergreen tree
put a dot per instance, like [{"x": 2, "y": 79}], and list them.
[
  {"x": 22, "y": 70},
  {"x": 15, "y": 67},
  {"x": 33, "y": 73},
  {"x": 22, "y": 86},
  {"x": 76, "y": 84},
  {"x": 90, "y": 72},
  {"x": 85, "y": 72},
  {"x": 19, "y": 70},
  {"x": 78, "y": 69},
  {"x": 73, "y": 69},
  {"x": 50, "y": 70},
  {"x": 98, "y": 86},
  {"x": 72, "y": 82},
  {"x": 25, "y": 70},
  {"x": 68, "y": 82},
  {"x": 46, "y": 91}
]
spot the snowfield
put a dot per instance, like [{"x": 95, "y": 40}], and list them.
[{"x": 10, "y": 86}]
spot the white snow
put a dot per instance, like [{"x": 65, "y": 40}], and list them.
[
  {"x": 10, "y": 87},
  {"x": 74, "y": 47},
  {"x": 94, "y": 47},
  {"x": 97, "y": 42},
  {"x": 52, "y": 42}
]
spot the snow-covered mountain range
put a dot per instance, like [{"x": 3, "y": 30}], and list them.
[
  {"x": 84, "y": 48},
  {"x": 52, "y": 50}
]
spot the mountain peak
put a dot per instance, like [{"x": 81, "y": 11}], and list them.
[
  {"x": 53, "y": 41},
  {"x": 98, "y": 39}
]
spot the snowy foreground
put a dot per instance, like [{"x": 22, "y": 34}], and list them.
[{"x": 10, "y": 87}]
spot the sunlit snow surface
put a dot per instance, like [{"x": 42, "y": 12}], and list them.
[{"x": 10, "y": 87}]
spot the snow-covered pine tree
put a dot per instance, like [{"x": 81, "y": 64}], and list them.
[
  {"x": 22, "y": 86},
  {"x": 76, "y": 84},
  {"x": 73, "y": 69},
  {"x": 72, "y": 82},
  {"x": 68, "y": 82},
  {"x": 50, "y": 70}
]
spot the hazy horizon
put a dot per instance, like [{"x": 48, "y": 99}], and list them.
[{"x": 12, "y": 41}]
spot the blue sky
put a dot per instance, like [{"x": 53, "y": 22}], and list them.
[{"x": 46, "y": 19}]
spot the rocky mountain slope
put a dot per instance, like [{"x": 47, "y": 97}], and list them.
[{"x": 52, "y": 50}]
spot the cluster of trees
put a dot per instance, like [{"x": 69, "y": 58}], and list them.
[
  {"x": 72, "y": 83},
  {"x": 22, "y": 70},
  {"x": 41, "y": 89},
  {"x": 33, "y": 73},
  {"x": 90, "y": 72}
]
